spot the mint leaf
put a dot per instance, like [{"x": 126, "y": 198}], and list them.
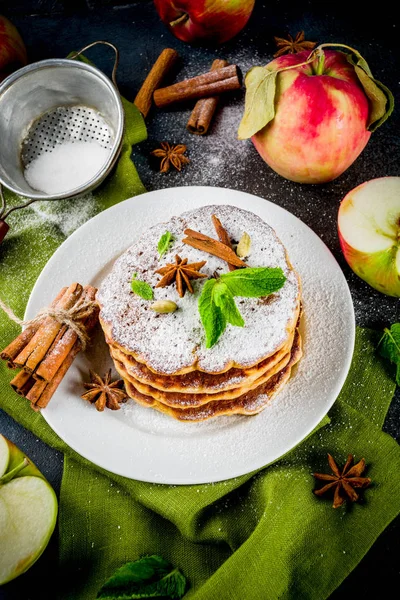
[
  {"x": 212, "y": 318},
  {"x": 259, "y": 107},
  {"x": 164, "y": 242},
  {"x": 389, "y": 347},
  {"x": 224, "y": 300},
  {"x": 147, "y": 577},
  {"x": 217, "y": 305},
  {"x": 254, "y": 282},
  {"x": 141, "y": 288}
]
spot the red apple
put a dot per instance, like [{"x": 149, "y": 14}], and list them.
[
  {"x": 369, "y": 232},
  {"x": 209, "y": 21},
  {"x": 317, "y": 114},
  {"x": 12, "y": 48}
]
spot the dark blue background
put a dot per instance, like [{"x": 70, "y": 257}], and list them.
[{"x": 53, "y": 28}]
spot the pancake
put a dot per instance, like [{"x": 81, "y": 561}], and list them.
[
  {"x": 250, "y": 403},
  {"x": 174, "y": 344},
  {"x": 182, "y": 399},
  {"x": 198, "y": 381}
]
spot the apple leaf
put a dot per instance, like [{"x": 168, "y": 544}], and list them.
[
  {"x": 259, "y": 107},
  {"x": 389, "y": 347},
  {"x": 380, "y": 97},
  {"x": 147, "y": 577}
]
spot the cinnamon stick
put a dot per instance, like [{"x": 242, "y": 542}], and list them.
[
  {"x": 36, "y": 349},
  {"x": 208, "y": 84},
  {"x": 36, "y": 391},
  {"x": 62, "y": 346},
  {"x": 163, "y": 65},
  {"x": 203, "y": 112},
  {"x": 22, "y": 383},
  {"x": 204, "y": 242},
  {"x": 18, "y": 344},
  {"x": 223, "y": 236},
  {"x": 41, "y": 394}
]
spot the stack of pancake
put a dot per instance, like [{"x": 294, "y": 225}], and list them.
[{"x": 162, "y": 358}]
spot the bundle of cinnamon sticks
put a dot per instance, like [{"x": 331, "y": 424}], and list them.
[
  {"x": 205, "y": 88},
  {"x": 48, "y": 345}
]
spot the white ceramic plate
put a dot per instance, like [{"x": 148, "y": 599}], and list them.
[{"x": 141, "y": 443}]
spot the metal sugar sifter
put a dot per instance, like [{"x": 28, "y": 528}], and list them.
[{"x": 50, "y": 102}]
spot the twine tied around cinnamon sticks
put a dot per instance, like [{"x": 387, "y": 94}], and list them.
[
  {"x": 72, "y": 317},
  {"x": 46, "y": 348}
]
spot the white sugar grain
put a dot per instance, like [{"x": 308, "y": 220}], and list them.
[{"x": 67, "y": 167}]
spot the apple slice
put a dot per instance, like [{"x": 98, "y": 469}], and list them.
[
  {"x": 28, "y": 512},
  {"x": 369, "y": 233},
  {"x": 4, "y": 455}
]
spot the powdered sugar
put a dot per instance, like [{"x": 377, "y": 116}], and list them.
[
  {"x": 171, "y": 342},
  {"x": 144, "y": 444},
  {"x": 67, "y": 166}
]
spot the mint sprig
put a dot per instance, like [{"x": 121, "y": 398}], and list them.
[
  {"x": 217, "y": 304},
  {"x": 164, "y": 242},
  {"x": 389, "y": 347},
  {"x": 147, "y": 577},
  {"x": 211, "y": 315},
  {"x": 141, "y": 288},
  {"x": 254, "y": 282}
]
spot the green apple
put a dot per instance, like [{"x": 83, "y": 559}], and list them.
[
  {"x": 369, "y": 232},
  {"x": 28, "y": 511}
]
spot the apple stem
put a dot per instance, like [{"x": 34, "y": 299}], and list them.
[
  {"x": 338, "y": 45},
  {"x": 318, "y": 53},
  {"x": 11, "y": 474},
  {"x": 321, "y": 61},
  {"x": 181, "y": 19}
]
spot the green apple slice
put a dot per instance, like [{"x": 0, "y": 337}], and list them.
[
  {"x": 369, "y": 215},
  {"x": 369, "y": 233},
  {"x": 4, "y": 455},
  {"x": 28, "y": 514},
  {"x": 28, "y": 511}
]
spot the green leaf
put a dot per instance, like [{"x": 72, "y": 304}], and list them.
[
  {"x": 164, "y": 242},
  {"x": 212, "y": 318},
  {"x": 389, "y": 347},
  {"x": 217, "y": 305},
  {"x": 259, "y": 107},
  {"x": 380, "y": 97},
  {"x": 223, "y": 299},
  {"x": 141, "y": 288},
  {"x": 147, "y": 577},
  {"x": 254, "y": 282}
]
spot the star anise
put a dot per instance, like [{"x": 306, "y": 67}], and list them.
[
  {"x": 171, "y": 155},
  {"x": 102, "y": 392},
  {"x": 181, "y": 273},
  {"x": 292, "y": 46},
  {"x": 343, "y": 482}
]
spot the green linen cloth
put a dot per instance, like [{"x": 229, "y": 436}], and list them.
[{"x": 262, "y": 536}]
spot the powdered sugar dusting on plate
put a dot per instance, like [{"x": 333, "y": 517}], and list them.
[
  {"x": 144, "y": 444},
  {"x": 170, "y": 342}
]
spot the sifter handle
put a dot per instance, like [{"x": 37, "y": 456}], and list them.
[
  {"x": 3, "y": 229},
  {"x": 116, "y": 61}
]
